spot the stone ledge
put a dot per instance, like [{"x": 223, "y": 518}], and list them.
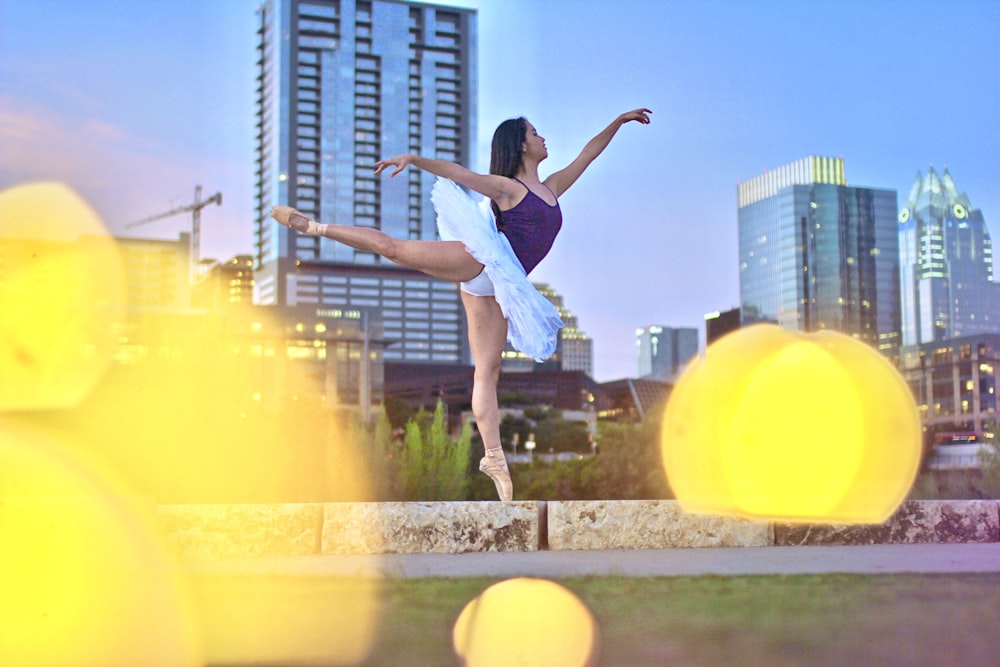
[
  {"x": 646, "y": 524},
  {"x": 216, "y": 532},
  {"x": 431, "y": 527},
  {"x": 915, "y": 522},
  {"x": 210, "y": 532}
]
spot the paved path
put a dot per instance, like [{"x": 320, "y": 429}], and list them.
[{"x": 883, "y": 558}]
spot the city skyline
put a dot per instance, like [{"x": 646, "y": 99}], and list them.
[{"x": 133, "y": 105}]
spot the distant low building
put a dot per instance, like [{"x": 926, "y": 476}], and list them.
[
  {"x": 718, "y": 324},
  {"x": 631, "y": 400},
  {"x": 224, "y": 283},
  {"x": 157, "y": 273},
  {"x": 325, "y": 356},
  {"x": 662, "y": 352},
  {"x": 955, "y": 382}
]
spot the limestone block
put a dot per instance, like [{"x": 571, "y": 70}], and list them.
[
  {"x": 916, "y": 521},
  {"x": 215, "y": 532},
  {"x": 430, "y": 527},
  {"x": 646, "y": 524}
]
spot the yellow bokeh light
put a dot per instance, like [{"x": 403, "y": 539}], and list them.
[
  {"x": 526, "y": 622},
  {"x": 788, "y": 426},
  {"x": 188, "y": 407},
  {"x": 82, "y": 576},
  {"x": 265, "y": 619},
  {"x": 61, "y": 288},
  {"x": 201, "y": 419},
  {"x": 825, "y": 435}
]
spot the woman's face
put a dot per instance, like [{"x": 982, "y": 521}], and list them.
[{"x": 534, "y": 144}]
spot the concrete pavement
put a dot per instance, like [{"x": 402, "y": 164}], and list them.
[{"x": 735, "y": 561}]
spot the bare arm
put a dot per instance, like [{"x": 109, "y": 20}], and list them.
[
  {"x": 560, "y": 181},
  {"x": 495, "y": 187}
]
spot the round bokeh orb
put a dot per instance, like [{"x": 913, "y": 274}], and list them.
[
  {"x": 528, "y": 622},
  {"x": 794, "y": 427},
  {"x": 61, "y": 292},
  {"x": 83, "y": 577}
]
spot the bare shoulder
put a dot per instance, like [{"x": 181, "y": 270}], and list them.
[{"x": 509, "y": 191}]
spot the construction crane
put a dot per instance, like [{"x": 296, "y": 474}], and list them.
[{"x": 195, "y": 209}]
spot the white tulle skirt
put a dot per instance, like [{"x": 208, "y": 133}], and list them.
[{"x": 533, "y": 323}]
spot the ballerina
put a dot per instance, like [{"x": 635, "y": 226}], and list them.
[{"x": 489, "y": 250}]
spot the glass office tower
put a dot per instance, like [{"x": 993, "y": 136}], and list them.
[
  {"x": 662, "y": 352},
  {"x": 342, "y": 83},
  {"x": 946, "y": 264},
  {"x": 817, "y": 254}
]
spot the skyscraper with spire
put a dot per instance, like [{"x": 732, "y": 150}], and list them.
[{"x": 946, "y": 264}]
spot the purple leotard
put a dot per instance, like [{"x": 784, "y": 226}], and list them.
[{"x": 531, "y": 228}]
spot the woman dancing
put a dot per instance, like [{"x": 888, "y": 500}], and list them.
[{"x": 489, "y": 251}]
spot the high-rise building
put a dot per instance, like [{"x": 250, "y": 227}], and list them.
[
  {"x": 577, "y": 347},
  {"x": 158, "y": 273},
  {"x": 817, "y": 254},
  {"x": 225, "y": 283},
  {"x": 946, "y": 264},
  {"x": 574, "y": 349},
  {"x": 342, "y": 83},
  {"x": 663, "y": 351}
]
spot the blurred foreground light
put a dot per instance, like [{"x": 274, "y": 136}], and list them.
[
  {"x": 781, "y": 425},
  {"x": 200, "y": 419},
  {"x": 526, "y": 622},
  {"x": 61, "y": 288},
  {"x": 271, "y": 619},
  {"x": 82, "y": 578}
]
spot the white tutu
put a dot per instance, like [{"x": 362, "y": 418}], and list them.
[{"x": 533, "y": 323}]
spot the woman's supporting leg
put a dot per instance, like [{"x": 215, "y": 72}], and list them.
[
  {"x": 448, "y": 260},
  {"x": 487, "y": 338}
]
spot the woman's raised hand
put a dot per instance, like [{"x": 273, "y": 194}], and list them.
[
  {"x": 639, "y": 115},
  {"x": 400, "y": 163}
]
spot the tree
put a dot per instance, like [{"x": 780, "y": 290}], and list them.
[
  {"x": 432, "y": 466},
  {"x": 629, "y": 464},
  {"x": 989, "y": 459}
]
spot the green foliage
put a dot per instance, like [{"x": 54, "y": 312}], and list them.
[
  {"x": 631, "y": 464},
  {"x": 556, "y": 480},
  {"x": 962, "y": 484},
  {"x": 562, "y": 435},
  {"x": 513, "y": 398},
  {"x": 989, "y": 457},
  {"x": 627, "y": 466},
  {"x": 541, "y": 413},
  {"x": 552, "y": 432},
  {"x": 431, "y": 466},
  {"x": 382, "y": 451},
  {"x": 511, "y": 425},
  {"x": 397, "y": 412}
]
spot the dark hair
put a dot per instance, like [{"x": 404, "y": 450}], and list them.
[{"x": 505, "y": 153}]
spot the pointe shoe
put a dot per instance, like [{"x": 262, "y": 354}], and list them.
[
  {"x": 292, "y": 219},
  {"x": 494, "y": 464}
]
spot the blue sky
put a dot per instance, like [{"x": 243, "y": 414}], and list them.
[{"x": 134, "y": 103}]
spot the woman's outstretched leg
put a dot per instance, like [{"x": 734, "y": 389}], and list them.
[
  {"x": 487, "y": 337},
  {"x": 448, "y": 260}
]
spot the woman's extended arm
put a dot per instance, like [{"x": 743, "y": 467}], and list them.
[
  {"x": 560, "y": 181},
  {"x": 492, "y": 186}
]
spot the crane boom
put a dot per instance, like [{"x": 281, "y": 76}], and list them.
[{"x": 195, "y": 209}]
